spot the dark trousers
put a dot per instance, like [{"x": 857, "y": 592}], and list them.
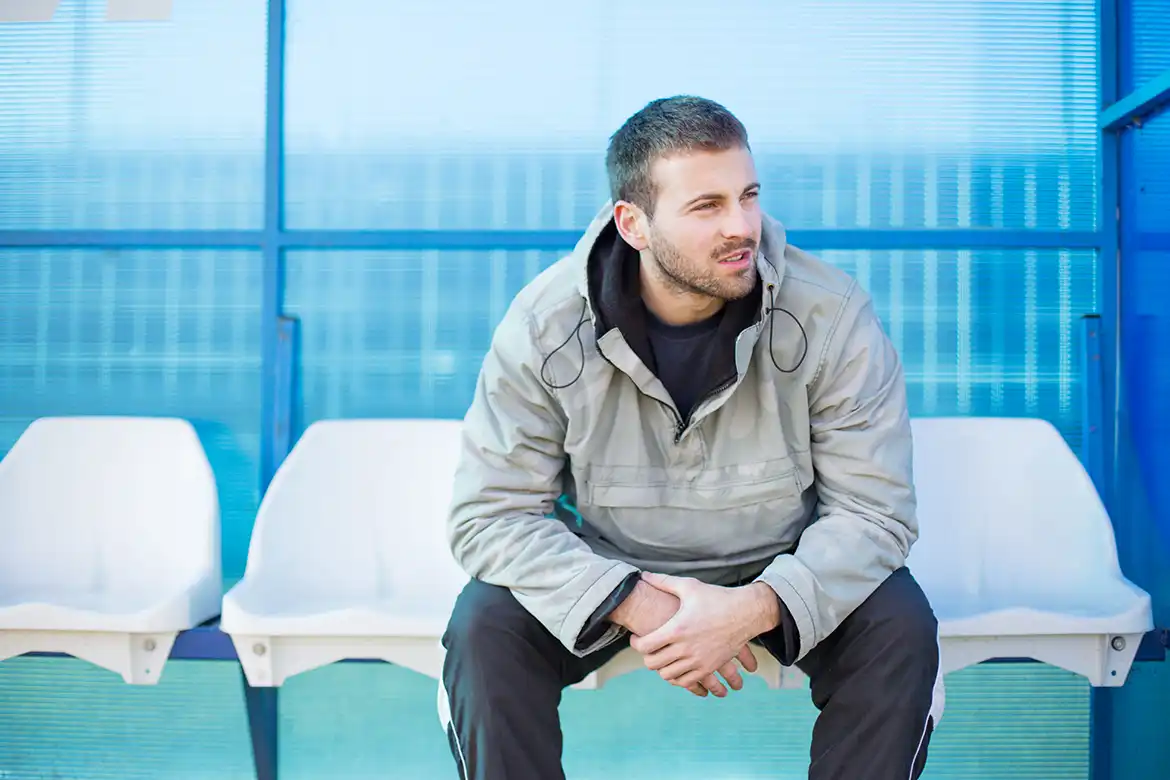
[{"x": 874, "y": 681}]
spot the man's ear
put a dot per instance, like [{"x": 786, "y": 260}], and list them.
[{"x": 632, "y": 223}]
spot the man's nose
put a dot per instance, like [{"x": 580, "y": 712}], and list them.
[{"x": 737, "y": 223}]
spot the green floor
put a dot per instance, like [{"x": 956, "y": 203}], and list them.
[{"x": 64, "y": 719}]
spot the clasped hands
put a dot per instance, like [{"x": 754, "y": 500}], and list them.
[{"x": 687, "y": 630}]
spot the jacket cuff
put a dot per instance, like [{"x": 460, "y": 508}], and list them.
[
  {"x": 796, "y": 613},
  {"x": 589, "y": 602},
  {"x": 596, "y": 626},
  {"x": 783, "y": 641}
]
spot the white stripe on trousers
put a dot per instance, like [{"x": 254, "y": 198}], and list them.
[
  {"x": 444, "y": 706},
  {"x": 938, "y": 702}
]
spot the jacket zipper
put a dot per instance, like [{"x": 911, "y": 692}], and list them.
[
  {"x": 679, "y": 425},
  {"x": 682, "y": 427}
]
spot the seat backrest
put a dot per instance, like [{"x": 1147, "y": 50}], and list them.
[
  {"x": 359, "y": 507},
  {"x": 1003, "y": 504},
  {"x": 107, "y": 503}
]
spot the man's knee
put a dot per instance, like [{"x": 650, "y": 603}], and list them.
[
  {"x": 898, "y": 617},
  {"x": 899, "y": 636},
  {"x": 485, "y": 615}
]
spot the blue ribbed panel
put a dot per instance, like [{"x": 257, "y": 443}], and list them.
[
  {"x": 140, "y": 332},
  {"x": 64, "y": 720},
  {"x": 1142, "y": 717},
  {"x": 1149, "y": 177},
  {"x": 1146, "y": 290},
  {"x": 1150, "y": 34},
  {"x": 133, "y": 124},
  {"x": 977, "y": 113}
]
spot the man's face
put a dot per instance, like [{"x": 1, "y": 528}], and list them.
[{"x": 706, "y": 225}]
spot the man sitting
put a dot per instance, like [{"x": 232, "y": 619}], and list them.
[{"x": 688, "y": 437}]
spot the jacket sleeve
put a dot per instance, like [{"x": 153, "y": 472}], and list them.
[
  {"x": 861, "y": 446},
  {"x": 501, "y": 526}
]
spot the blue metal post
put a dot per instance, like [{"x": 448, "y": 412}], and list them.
[
  {"x": 1101, "y": 343},
  {"x": 1092, "y": 411},
  {"x": 273, "y": 226},
  {"x": 263, "y": 704},
  {"x": 1093, "y": 456},
  {"x": 286, "y": 399}
]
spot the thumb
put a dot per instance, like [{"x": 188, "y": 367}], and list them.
[{"x": 665, "y": 582}]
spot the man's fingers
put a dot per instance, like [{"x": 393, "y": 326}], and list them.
[
  {"x": 730, "y": 673},
  {"x": 748, "y": 659},
  {"x": 698, "y": 690},
  {"x": 664, "y": 657},
  {"x": 711, "y": 683},
  {"x": 673, "y": 671},
  {"x": 655, "y": 640}
]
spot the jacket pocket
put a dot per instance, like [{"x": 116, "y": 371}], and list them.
[
  {"x": 716, "y": 518},
  {"x": 714, "y": 489}
]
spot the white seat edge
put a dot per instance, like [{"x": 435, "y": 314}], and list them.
[{"x": 139, "y": 657}]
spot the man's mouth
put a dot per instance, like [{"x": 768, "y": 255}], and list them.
[{"x": 741, "y": 257}]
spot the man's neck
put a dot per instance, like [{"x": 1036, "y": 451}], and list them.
[{"x": 674, "y": 306}]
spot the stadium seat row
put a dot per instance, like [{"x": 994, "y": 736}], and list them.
[{"x": 110, "y": 548}]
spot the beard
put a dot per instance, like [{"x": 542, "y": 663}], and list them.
[{"x": 702, "y": 277}]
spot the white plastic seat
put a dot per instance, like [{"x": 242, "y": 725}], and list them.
[
  {"x": 1016, "y": 551},
  {"x": 348, "y": 556},
  {"x": 109, "y": 541}
]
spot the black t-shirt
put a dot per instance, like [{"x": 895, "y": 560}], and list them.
[{"x": 675, "y": 347}]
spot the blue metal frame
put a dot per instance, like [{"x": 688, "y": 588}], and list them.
[
  {"x": 277, "y": 361},
  {"x": 519, "y": 240},
  {"x": 1101, "y": 703},
  {"x": 1138, "y": 105},
  {"x": 1101, "y": 345},
  {"x": 134, "y": 239},
  {"x": 273, "y": 226}
]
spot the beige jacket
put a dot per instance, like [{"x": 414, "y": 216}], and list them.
[{"x": 798, "y": 466}]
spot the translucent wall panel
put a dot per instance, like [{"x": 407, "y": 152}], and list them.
[
  {"x": 1147, "y": 176},
  {"x": 981, "y": 332},
  {"x": 66, "y": 719},
  {"x": 1146, "y": 290},
  {"x": 968, "y": 113},
  {"x": 108, "y": 124},
  {"x": 141, "y": 332},
  {"x": 1150, "y": 38},
  {"x": 398, "y": 334},
  {"x": 985, "y": 333}
]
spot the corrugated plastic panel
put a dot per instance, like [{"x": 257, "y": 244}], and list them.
[
  {"x": 65, "y": 720},
  {"x": 1150, "y": 38},
  {"x": 965, "y": 113},
  {"x": 109, "y": 124}
]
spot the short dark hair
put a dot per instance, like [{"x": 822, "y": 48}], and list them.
[{"x": 683, "y": 123}]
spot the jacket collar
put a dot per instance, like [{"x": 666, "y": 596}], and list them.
[{"x": 609, "y": 280}]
